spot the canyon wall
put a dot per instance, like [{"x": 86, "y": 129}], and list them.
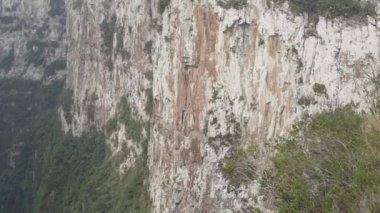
[
  {"x": 106, "y": 58},
  {"x": 227, "y": 78},
  {"x": 219, "y": 78}
]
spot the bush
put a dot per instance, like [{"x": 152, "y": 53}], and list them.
[
  {"x": 306, "y": 101},
  {"x": 239, "y": 167},
  {"x": 36, "y": 51},
  {"x": 57, "y": 8},
  {"x": 108, "y": 29},
  {"x": 66, "y": 101},
  {"x": 330, "y": 164},
  {"x": 56, "y": 65},
  {"x": 148, "y": 47},
  {"x": 8, "y": 61},
  {"x": 77, "y": 4},
  {"x": 120, "y": 40},
  {"x": 149, "y": 102},
  {"x": 320, "y": 89},
  {"x": 162, "y": 4}
]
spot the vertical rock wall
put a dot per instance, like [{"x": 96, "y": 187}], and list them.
[
  {"x": 227, "y": 78},
  {"x": 106, "y": 59}
]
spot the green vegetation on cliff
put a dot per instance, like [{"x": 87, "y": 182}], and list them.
[
  {"x": 8, "y": 60},
  {"x": 236, "y": 4},
  {"x": 45, "y": 170},
  {"x": 240, "y": 166},
  {"x": 332, "y": 8},
  {"x": 162, "y": 5},
  {"x": 108, "y": 29},
  {"x": 330, "y": 163}
]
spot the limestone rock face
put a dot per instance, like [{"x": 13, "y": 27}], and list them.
[
  {"x": 106, "y": 58},
  {"x": 221, "y": 79},
  {"x": 32, "y": 39},
  {"x": 225, "y": 78}
]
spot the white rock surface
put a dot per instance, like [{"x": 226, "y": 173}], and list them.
[{"x": 261, "y": 62}]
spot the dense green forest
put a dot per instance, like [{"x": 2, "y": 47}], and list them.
[{"x": 54, "y": 172}]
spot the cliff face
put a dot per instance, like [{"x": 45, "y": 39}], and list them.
[
  {"x": 229, "y": 78},
  {"x": 220, "y": 79},
  {"x": 32, "y": 39},
  {"x": 106, "y": 58}
]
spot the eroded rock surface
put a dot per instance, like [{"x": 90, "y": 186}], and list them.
[
  {"x": 219, "y": 78},
  {"x": 32, "y": 39},
  {"x": 230, "y": 78}
]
